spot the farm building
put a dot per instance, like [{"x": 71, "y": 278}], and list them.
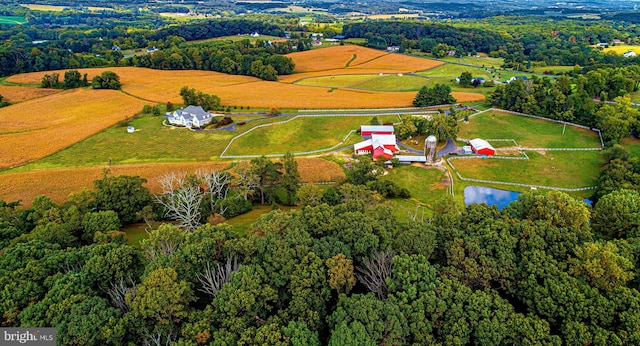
[
  {"x": 630, "y": 54},
  {"x": 191, "y": 116},
  {"x": 409, "y": 159},
  {"x": 523, "y": 78},
  {"x": 481, "y": 147},
  {"x": 368, "y": 130},
  {"x": 378, "y": 145}
]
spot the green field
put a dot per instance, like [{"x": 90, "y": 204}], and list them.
[
  {"x": 152, "y": 142},
  {"x": 570, "y": 169},
  {"x": 338, "y": 81},
  {"x": 236, "y": 38},
  {"x": 369, "y": 82},
  {"x": 425, "y": 184},
  {"x": 12, "y": 20},
  {"x": 300, "y": 135},
  {"x": 528, "y": 132},
  {"x": 451, "y": 71},
  {"x": 482, "y": 61},
  {"x": 622, "y": 48},
  {"x": 554, "y": 69}
]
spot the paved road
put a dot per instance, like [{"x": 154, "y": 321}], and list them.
[{"x": 449, "y": 148}]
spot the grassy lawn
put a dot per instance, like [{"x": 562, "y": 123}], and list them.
[
  {"x": 633, "y": 145},
  {"x": 393, "y": 83},
  {"x": 482, "y": 61},
  {"x": 570, "y": 169},
  {"x": 241, "y": 223},
  {"x": 339, "y": 81},
  {"x": 528, "y": 132},
  {"x": 451, "y": 71},
  {"x": 425, "y": 184},
  {"x": 10, "y": 20},
  {"x": 236, "y": 38},
  {"x": 152, "y": 142},
  {"x": 301, "y": 134},
  {"x": 554, "y": 69}
]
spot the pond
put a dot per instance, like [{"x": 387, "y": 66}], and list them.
[{"x": 491, "y": 196}]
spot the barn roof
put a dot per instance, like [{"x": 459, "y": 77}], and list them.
[
  {"x": 479, "y": 144},
  {"x": 376, "y": 141},
  {"x": 411, "y": 158},
  {"x": 376, "y": 128}
]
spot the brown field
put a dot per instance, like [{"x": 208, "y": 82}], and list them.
[
  {"x": 399, "y": 63},
  {"x": 15, "y": 94},
  {"x": 59, "y": 183},
  {"x": 40, "y": 127},
  {"x": 335, "y": 57},
  {"x": 461, "y": 96}
]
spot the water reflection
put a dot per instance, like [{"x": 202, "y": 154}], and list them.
[{"x": 491, "y": 196}]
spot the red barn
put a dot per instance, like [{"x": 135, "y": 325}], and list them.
[
  {"x": 481, "y": 147},
  {"x": 369, "y": 130},
  {"x": 378, "y": 145}
]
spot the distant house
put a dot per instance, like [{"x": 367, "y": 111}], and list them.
[
  {"x": 451, "y": 52},
  {"x": 481, "y": 147},
  {"x": 115, "y": 47},
  {"x": 255, "y": 34},
  {"x": 602, "y": 44},
  {"x": 339, "y": 37},
  {"x": 393, "y": 48},
  {"x": 409, "y": 159},
  {"x": 287, "y": 35},
  {"x": 316, "y": 43},
  {"x": 317, "y": 36},
  {"x": 523, "y": 78},
  {"x": 369, "y": 130},
  {"x": 152, "y": 49},
  {"x": 191, "y": 116},
  {"x": 378, "y": 145},
  {"x": 616, "y": 41},
  {"x": 131, "y": 129},
  {"x": 473, "y": 80},
  {"x": 630, "y": 54}
]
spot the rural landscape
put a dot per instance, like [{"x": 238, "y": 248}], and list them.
[{"x": 315, "y": 173}]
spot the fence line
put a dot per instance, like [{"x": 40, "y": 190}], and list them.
[{"x": 338, "y": 110}]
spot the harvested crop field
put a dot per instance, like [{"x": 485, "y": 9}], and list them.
[
  {"x": 467, "y": 97},
  {"x": 59, "y": 183},
  {"x": 15, "y": 94},
  {"x": 336, "y": 57},
  {"x": 40, "y": 127},
  {"x": 398, "y": 62}
]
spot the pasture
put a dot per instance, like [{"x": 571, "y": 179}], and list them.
[
  {"x": 568, "y": 169},
  {"x": 40, "y": 127},
  {"x": 424, "y": 184},
  {"x": 369, "y": 82},
  {"x": 553, "y": 69},
  {"x": 12, "y": 20},
  {"x": 236, "y": 38},
  {"x": 622, "y": 48},
  {"x": 301, "y": 134},
  {"x": 481, "y": 61},
  {"x": 58, "y": 183},
  {"x": 49, "y": 8},
  {"x": 528, "y": 132}
]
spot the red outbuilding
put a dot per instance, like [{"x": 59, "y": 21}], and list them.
[
  {"x": 368, "y": 130},
  {"x": 481, "y": 147}
]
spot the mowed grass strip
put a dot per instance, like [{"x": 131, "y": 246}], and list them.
[
  {"x": 59, "y": 183},
  {"x": 335, "y": 57},
  {"x": 12, "y": 20},
  {"x": 37, "y": 128},
  {"x": 393, "y": 83},
  {"x": 568, "y": 169},
  {"x": 451, "y": 71},
  {"x": 301, "y": 135},
  {"x": 338, "y": 81},
  {"x": 528, "y": 132},
  {"x": 15, "y": 94}
]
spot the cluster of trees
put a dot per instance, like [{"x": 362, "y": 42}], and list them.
[
  {"x": 576, "y": 100},
  {"x": 342, "y": 270},
  {"x": 3, "y": 103},
  {"x": 425, "y": 36},
  {"x": 193, "y": 97},
  {"x": 72, "y": 79},
  {"x": 443, "y": 125},
  {"x": 245, "y": 58},
  {"x": 439, "y": 94},
  {"x": 106, "y": 80}
]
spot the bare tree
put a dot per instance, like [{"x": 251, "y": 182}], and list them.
[
  {"x": 213, "y": 279},
  {"x": 247, "y": 179},
  {"x": 375, "y": 271},
  {"x": 181, "y": 201},
  {"x": 159, "y": 339},
  {"x": 118, "y": 290},
  {"x": 217, "y": 186}
]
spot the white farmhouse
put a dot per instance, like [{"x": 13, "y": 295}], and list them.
[{"x": 191, "y": 116}]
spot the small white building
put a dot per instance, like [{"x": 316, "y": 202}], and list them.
[
  {"x": 630, "y": 54},
  {"x": 131, "y": 129}
]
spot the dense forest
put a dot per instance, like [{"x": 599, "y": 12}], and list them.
[{"x": 342, "y": 270}]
